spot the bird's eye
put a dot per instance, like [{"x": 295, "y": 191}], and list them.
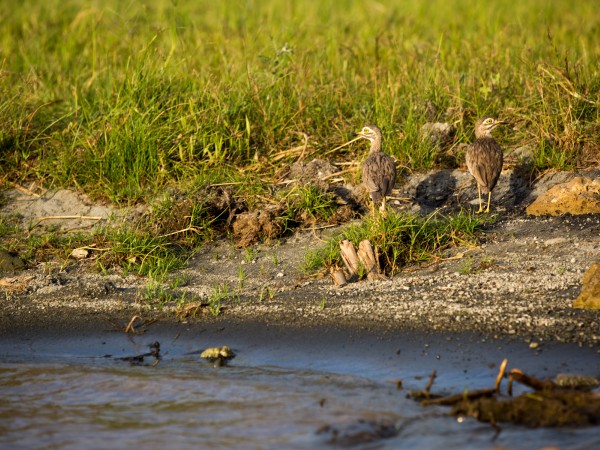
[
  {"x": 366, "y": 130},
  {"x": 489, "y": 121}
]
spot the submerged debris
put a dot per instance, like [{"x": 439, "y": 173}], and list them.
[
  {"x": 138, "y": 360},
  {"x": 565, "y": 401},
  {"x": 359, "y": 432},
  {"x": 554, "y": 408}
]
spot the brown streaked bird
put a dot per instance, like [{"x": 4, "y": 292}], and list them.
[
  {"x": 379, "y": 169},
  {"x": 485, "y": 158}
]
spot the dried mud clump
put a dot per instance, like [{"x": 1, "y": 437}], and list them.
[
  {"x": 342, "y": 215},
  {"x": 254, "y": 226},
  {"x": 181, "y": 211}
]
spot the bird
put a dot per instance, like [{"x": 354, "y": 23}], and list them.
[
  {"x": 378, "y": 169},
  {"x": 484, "y": 159}
]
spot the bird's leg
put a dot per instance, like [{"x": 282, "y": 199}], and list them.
[
  {"x": 382, "y": 208},
  {"x": 480, "y": 210},
  {"x": 488, "y": 203}
]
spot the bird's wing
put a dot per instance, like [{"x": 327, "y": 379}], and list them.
[
  {"x": 389, "y": 177},
  {"x": 370, "y": 175},
  {"x": 484, "y": 162}
]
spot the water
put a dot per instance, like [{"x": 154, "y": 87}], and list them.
[{"x": 281, "y": 391}]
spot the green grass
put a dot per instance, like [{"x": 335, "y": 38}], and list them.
[
  {"x": 159, "y": 295},
  {"x": 400, "y": 238},
  {"x": 133, "y": 250},
  {"x": 123, "y": 98},
  {"x": 141, "y": 253},
  {"x": 306, "y": 204}
]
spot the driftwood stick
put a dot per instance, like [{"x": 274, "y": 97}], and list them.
[
  {"x": 80, "y": 217},
  {"x": 425, "y": 392},
  {"x": 305, "y": 146},
  {"x": 432, "y": 378},
  {"x": 193, "y": 229},
  {"x": 454, "y": 399},
  {"x": 342, "y": 146},
  {"x": 331, "y": 175},
  {"x": 500, "y": 375},
  {"x": 130, "y": 326},
  {"x": 534, "y": 383}
]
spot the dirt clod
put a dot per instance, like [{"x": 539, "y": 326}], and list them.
[{"x": 255, "y": 226}]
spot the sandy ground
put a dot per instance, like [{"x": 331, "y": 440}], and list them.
[{"x": 520, "y": 281}]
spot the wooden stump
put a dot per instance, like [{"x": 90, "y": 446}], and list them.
[
  {"x": 339, "y": 279},
  {"x": 365, "y": 259},
  {"x": 350, "y": 258}
]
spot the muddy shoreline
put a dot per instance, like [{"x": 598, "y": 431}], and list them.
[{"x": 518, "y": 283}]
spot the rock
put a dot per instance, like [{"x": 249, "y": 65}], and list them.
[
  {"x": 589, "y": 298},
  {"x": 10, "y": 262},
  {"x": 581, "y": 195},
  {"x": 576, "y": 381},
  {"x": 524, "y": 153},
  {"x": 555, "y": 241},
  {"x": 354, "y": 434},
  {"x": 80, "y": 253},
  {"x": 313, "y": 171},
  {"x": 438, "y": 134}
]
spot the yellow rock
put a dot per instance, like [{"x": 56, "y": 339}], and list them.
[
  {"x": 589, "y": 298},
  {"x": 581, "y": 195}
]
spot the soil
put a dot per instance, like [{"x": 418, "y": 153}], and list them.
[{"x": 520, "y": 280}]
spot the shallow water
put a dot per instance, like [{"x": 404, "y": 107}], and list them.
[{"x": 71, "y": 391}]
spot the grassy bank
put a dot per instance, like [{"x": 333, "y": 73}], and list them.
[{"x": 123, "y": 100}]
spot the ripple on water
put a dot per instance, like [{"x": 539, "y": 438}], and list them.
[{"x": 262, "y": 400}]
